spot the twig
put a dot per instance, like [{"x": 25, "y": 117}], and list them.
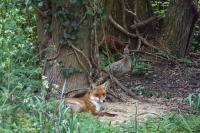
[
  {"x": 82, "y": 19},
  {"x": 132, "y": 13}
]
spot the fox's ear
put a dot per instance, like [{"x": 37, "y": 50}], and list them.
[{"x": 106, "y": 85}]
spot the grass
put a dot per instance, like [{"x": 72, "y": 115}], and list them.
[
  {"x": 90, "y": 124},
  {"x": 36, "y": 115},
  {"x": 174, "y": 123}
]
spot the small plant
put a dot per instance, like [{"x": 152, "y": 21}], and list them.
[
  {"x": 194, "y": 101},
  {"x": 105, "y": 59},
  {"x": 138, "y": 66},
  {"x": 185, "y": 61},
  {"x": 138, "y": 90}
]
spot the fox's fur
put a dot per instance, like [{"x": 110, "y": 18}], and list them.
[{"x": 90, "y": 102}]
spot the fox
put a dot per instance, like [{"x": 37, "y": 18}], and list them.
[{"x": 90, "y": 102}]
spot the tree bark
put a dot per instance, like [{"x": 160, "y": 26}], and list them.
[
  {"x": 178, "y": 27},
  {"x": 58, "y": 57}
]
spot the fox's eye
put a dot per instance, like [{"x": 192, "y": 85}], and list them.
[{"x": 97, "y": 95}]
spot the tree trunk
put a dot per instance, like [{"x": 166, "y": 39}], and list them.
[
  {"x": 178, "y": 27},
  {"x": 59, "y": 56}
]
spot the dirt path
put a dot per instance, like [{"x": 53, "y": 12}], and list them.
[{"x": 127, "y": 111}]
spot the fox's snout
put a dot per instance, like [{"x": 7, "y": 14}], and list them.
[{"x": 101, "y": 100}]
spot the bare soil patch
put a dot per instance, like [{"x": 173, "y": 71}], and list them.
[{"x": 131, "y": 109}]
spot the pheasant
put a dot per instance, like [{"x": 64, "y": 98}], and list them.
[{"x": 121, "y": 66}]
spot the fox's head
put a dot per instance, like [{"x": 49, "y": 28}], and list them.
[{"x": 99, "y": 93}]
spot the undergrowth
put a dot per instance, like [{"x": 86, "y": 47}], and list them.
[
  {"x": 138, "y": 66},
  {"x": 174, "y": 123},
  {"x": 23, "y": 110}
]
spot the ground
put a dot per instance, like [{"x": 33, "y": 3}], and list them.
[
  {"x": 165, "y": 86},
  {"x": 127, "y": 111}
]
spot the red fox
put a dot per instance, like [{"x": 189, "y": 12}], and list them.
[{"x": 90, "y": 102}]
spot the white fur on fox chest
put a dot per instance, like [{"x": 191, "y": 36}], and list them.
[{"x": 95, "y": 101}]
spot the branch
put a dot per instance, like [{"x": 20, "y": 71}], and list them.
[
  {"x": 82, "y": 19},
  {"x": 148, "y": 44},
  {"x": 132, "y": 13},
  {"x": 143, "y": 23},
  {"x": 119, "y": 27},
  {"x": 125, "y": 89}
]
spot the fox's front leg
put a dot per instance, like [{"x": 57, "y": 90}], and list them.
[{"x": 104, "y": 114}]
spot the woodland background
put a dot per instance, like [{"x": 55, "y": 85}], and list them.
[{"x": 51, "y": 49}]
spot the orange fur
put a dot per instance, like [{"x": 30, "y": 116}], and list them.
[{"x": 89, "y": 102}]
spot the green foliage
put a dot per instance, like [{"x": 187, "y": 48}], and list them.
[
  {"x": 90, "y": 124},
  {"x": 22, "y": 110},
  {"x": 175, "y": 123},
  {"x": 138, "y": 66},
  {"x": 70, "y": 15},
  {"x": 105, "y": 59},
  {"x": 160, "y": 7},
  {"x": 19, "y": 65}
]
